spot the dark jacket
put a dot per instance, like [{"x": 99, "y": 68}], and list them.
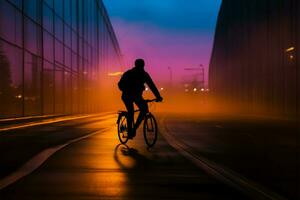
[{"x": 133, "y": 81}]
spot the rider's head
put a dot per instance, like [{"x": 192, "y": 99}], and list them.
[{"x": 139, "y": 63}]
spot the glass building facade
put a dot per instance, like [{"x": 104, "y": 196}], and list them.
[{"x": 53, "y": 56}]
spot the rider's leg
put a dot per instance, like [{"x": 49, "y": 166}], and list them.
[
  {"x": 143, "y": 106},
  {"x": 130, "y": 109}
]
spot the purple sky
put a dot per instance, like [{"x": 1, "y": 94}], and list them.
[{"x": 166, "y": 33}]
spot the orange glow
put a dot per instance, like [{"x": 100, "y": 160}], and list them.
[
  {"x": 107, "y": 161},
  {"x": 290, "y": 49},
  {"x": 115, "y": 74},
  {"x": 114, "y": 185}
]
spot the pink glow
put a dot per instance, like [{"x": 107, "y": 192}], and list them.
[{"x": 161, "y": 48}]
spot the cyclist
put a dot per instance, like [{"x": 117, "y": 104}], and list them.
[{"x": 132, "y": 85}]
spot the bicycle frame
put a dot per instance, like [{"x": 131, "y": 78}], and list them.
[{"x": 120, "y": 113}]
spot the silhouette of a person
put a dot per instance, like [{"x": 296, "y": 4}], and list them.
[{"x": 132, "y": 85}]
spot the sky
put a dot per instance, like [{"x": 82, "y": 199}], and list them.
[{"x": 166, "y": 33}]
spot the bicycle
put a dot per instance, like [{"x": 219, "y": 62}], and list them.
[{"x": 150, "y": 128}]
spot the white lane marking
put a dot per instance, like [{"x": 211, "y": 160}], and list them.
[
  {"x": 35, "y": 162},
  {"x": 50, "y": 121},
  {"x": 221, "y": 173}
]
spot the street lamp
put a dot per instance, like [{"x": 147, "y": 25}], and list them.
[
  {"x": 171, "y": 76},
  {"x": 290, "y": 52}
]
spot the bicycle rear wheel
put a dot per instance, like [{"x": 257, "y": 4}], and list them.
[
  {"x": 150, "y": 130},
  {"x": 122, "y": 129}
]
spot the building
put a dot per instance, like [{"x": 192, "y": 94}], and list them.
[
  {"x": 255, "y": 58},
  {"x": 53, "y": 55}
]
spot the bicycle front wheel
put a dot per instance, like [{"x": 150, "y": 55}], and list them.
[{"x": 150, "y": 130}]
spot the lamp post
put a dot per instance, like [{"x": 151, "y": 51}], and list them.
[{"x": 171, "y": 76}]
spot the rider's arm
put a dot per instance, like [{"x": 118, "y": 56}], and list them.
[{"x": 152, "y": 86}]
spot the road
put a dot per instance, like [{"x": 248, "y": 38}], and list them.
[
  {"x": 263, "y": 150},
  {"x": 82, "y": 159}
]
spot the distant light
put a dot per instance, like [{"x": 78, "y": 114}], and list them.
[
  {"x": 186, "y": 85},
  {"x": 202, "y": 89},
  {"x": 115, "y": 74},
  {"x": 162, "y": 88},
  {"x": 291, "y": 57},
  {"x": 290, "y": 49},
  {"x": 147, "y": 89},
  {"x": 19, "y": 96},
  {"x": 207, "y": 90},
  {"x": 186, "y": 90},
  {"x": 195, "y": 89},
  {"x": 85, "y": 72}
]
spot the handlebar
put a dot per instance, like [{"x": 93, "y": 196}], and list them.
[{"x": 147, "y": 101}]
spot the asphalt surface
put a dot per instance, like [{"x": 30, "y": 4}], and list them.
[
  {"x": 265, "y": 151},
  {"x": 98, "y": 167},
  {"x": 19, "y": 145}
]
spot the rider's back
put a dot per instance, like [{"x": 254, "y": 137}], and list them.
[{"x": 132, "y": 82}]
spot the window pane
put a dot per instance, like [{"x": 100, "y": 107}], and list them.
[
  {"x": 59, "y": 52},
  {"x": 68, "y": 12},
  {"x": 75, "y": 93},
  {"x": 68, "y": 58},
  {"x": 58, "y": 28},
  {"x": 58, "y": 7},
  {"x": 32, "y": 37},
  {"x": 11, "y": 82},
  {"x": 48, "y": 88},
  {"x": 18, "y": 3},
  {"x": 59, "y": 90},
  {"x": 74, "y": 62},
  {"x": 68, "y": 36},
  {"x": 68, "y": 92},
  {"x": 32, "y": 9},
  {"x": 10, "y": 23},
  {"x": 48, "y": 47},
  {"x": 74, "y": 41},
  {"x": 74, "y": 14},
  {"x": 32, "y": 83},
  {"x": 49, "y": 3},
  {"x": 48, "y": 18}
]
